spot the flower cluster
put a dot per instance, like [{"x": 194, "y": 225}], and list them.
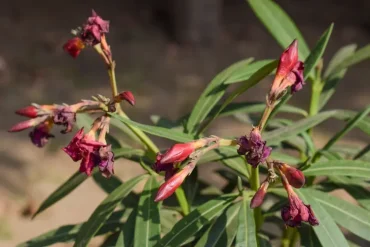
[{"x": 91, "y": 33}]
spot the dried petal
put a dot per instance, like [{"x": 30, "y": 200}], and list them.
[
  {"x": 40, "y": 135},
  {"x": 66, "y": 118},
  {"x": 106, "y": 161}
]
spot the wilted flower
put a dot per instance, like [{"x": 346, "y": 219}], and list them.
[
  {"x": 289, "y": 73},
  {"x": 93, "y": 30},
  {"x": 296, "y": 212},
  {"x": 294, "y": 176},
  {"x": 106, "y": 161},
  {"x": 257, "y": 199},
  {"x": 66, "y": 116},
  {"x": 169, "y": 187},
  {"x": 41, "y": 133},
  {"x": 254, "y": 148}
]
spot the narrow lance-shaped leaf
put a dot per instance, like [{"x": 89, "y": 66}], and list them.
[
  {"x": 350, "y": 216},
  {"x": 195, "y": 221},
  {"x": 67, "y": 187},
  {"x": 317, "y": 52},
  {"x": 108, "y": 185},
  {"x": 279, "y": 24},
  {"x": 349, "y": 126},
  {"x": 147, "y": 225},
  {"x": 281, "y": 134},
  {"x": 359, "y": 56},
  {"x": 120, "y": 239},
  {"x": 308, "y": 237},
  {"x": 68, "y": 233},
  {"x": 252, "y": 81},
  {"x": 327, "y": 232},
  {"x": 212, "y": 94},
  {"x": 331, "y": 80},
  {"x": 157, "y": 131},
  {"x": 246, "y": 233},
  {"x": 104, "y": 210},
  {"x": 355, "y": 168},
  {"x": 222, "y": 232}
]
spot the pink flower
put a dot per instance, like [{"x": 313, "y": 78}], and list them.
[
  {"x": 254, "y": 148},
  {"x": 288, "y": 74},
  {"x": 91, "y": 152},
  {"x": 74, "y": 46}
]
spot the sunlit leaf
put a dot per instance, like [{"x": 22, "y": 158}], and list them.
[{"x": 355, "y": 168}]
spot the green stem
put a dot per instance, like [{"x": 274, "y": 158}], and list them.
[
  {"x": 255, "y": 184},
  {"x": 315, "y": 99},
  {"x": 289, "y": 237},
  {"x": 265, "y": 116},
  {"x": 181, "y": 198}
]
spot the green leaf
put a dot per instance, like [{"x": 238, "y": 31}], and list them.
[
  {"x": 120, "y": 239},
  {"x": 364, "y": 124},
  {"x": 68, "y": 233},
  {"x": 355, "y": 168},
  {"x": 106, "y": 184},
  {"x": 359, "y": 56},
  {"x": 67, "y": 187},
  {"x": 308, "y": 237},
  {"x": 317, "y": 52},
  {"x": 237, "y": 164},
  {"x": 327, "y": 232},
  {"x": 195, "y": 221},
  {"x": 252, "y": 81},
  {"x": 123, "y": 127},
  {"x": 349, "y": 126},
  {"x": 246, "y": 233},
  {"x": 212, "y": 94},
  {"x": 157, "y": 131},
  {"x": 264, "y": 240},
  {"x": 246, "y": 73},
  {"x": 281, "y": 134},
  {"x": 222, "y": 232},
  {"x": 332, "y": 79},
  {"x": 147, "y": 225},
  {"x": 129, "y": 153},
  {"x": 361, "y": 194},
  {"x": 104, "y": 210},
  {"x": 83, "y": 120},
  {"x": 254, "y": 107},
  {"x": 279, "y": 24},
  {"x": 349, "y": 216},
  {"x": 284, "y": 158},
  {"x": 129, "y": 229}
]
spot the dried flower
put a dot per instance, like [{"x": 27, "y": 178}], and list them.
[
  {"x": 288, "y": 74},
  {"x": 169, "y": 187},
  {"x": 74, "y": 46},
  {"x": 94, "y": 28},
  {"x": 41, "y": 133},
  {"x": 254, "y": 148},
  {"x": 106, "y": 161},
  {"x": 296, "y": 212},
  {"x": 294, "y": 176},
  {"x": 257, "y": 199}
]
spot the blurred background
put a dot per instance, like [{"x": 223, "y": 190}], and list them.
[{"x": 166, "y": 52}]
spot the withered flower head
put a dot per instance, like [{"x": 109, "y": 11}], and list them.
[
  {"x": 41, "y": 133},
  {"x": 296, "y": 212},
  {"x": 254, "y": 148},
  {"x": 66, "y": 116},
  {"x": 289, "y": 73},
  {"x": 94, "y": 28},
  {"x": 106, "y": 161}
]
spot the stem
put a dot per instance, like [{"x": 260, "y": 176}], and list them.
[
  {"x": 265, "y": 116},
  {"x": 288, "y": 237},
  {"x": 181, "y": 198},
  {"x": 315, "y": 99},
  {"x": 255, "y": 184}
]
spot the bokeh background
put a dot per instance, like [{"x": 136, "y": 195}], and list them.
[{"x": 166, "y": 53}]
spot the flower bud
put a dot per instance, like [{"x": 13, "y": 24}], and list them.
[
  {"x": 27, "y": 124},
  {"x": 126, "y": 95},
  {"x": 294, "y": 176},
  {"x": 257, "y": 199},
  {"x": 178, "y": 153},
  {"x": 169, "y": 187},
  {"x": 29, "y": 111},
  {"x": 74, "y": 46}
]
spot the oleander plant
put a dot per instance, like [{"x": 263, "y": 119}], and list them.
[{"x": 278, "y": 179}]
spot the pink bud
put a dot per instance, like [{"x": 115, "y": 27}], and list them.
[
  {"x": 128, "y": 96},
  {"x": 29, "y": 111},
  {"x": 178, "y": 153},
  {"x": 294, "y": 176},
  {"x": 257, "y": 199},
  {"x": 26, "y": 124},
  {"x": 169, "y": 187}
]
